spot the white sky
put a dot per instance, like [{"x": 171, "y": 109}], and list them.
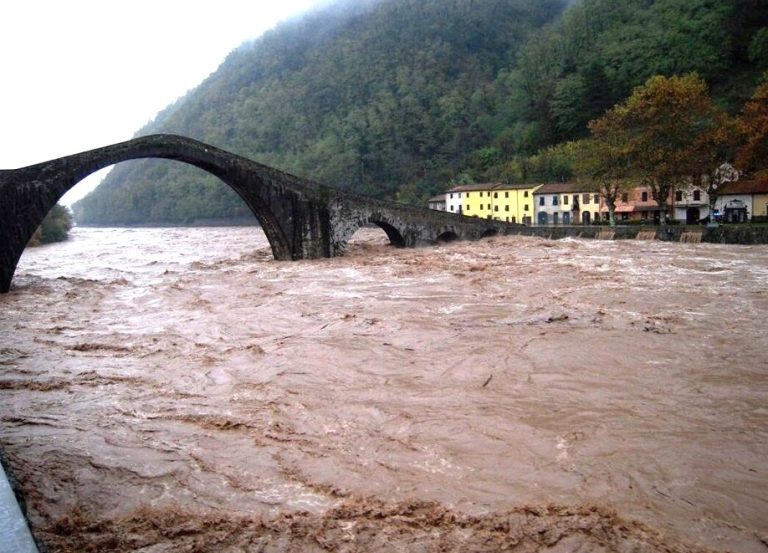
[{"x": 81, "y": 74}]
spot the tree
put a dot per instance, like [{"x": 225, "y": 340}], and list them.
[
  {"x": 753, "y": 126},
  {"x": 663, "y": 122},
  {"x": 723, "y": 174},
  {"x": 713, "y": 150},
  {"x": 54, "y": 228},
  {"x": 603, "y": 161}
]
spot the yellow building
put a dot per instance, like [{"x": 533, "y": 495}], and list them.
[
  {"x": 475, "y": 199},
  {"x": 512, "y": 203},
  {"x": 760, "y": 206}
]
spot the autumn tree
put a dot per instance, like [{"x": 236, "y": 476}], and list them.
[
  {"x": 753, "y": 126},
  {"x": 603, "y": 162},
  {"x": 713, "y": 149},
  {"x": 663, "y": 122}
]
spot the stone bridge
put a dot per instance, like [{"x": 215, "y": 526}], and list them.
[{"x": 302, "y": 219}]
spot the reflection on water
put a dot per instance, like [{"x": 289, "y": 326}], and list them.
[{"x": 180, "y": 387}]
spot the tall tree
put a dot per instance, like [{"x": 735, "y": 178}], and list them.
[
  {"x": 753, "y": 125},
  {"x": 603, "y": 161},
  {"x": 663, "y": 121}
]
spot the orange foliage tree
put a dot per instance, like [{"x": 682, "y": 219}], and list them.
[
  {"x": 669, "y": 127},
  {"x": 753, "y": 126}
]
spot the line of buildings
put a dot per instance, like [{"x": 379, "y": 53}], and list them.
[{"x": 575, "y": 204}]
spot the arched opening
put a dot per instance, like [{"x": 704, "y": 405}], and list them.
[
  {"x": 447, "y": 236},
  {"x": 161, "y": 193},
  {"x": 488, "y": 233},
  {"x": 250, "y": 181},
  {"x": 373, "y": 235}
]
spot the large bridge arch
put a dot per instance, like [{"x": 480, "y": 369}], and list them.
[{"x": 28, "y": 194}]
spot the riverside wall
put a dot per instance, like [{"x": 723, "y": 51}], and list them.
[{"x": 722, "y": 234}]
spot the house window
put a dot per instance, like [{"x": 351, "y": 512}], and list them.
[
  {"x": 525, "y": 194},
  {"x": 697, "y": 195},
  {"x": 542, "y": 200},
  {"x": 554, "y": 200},
  {"x": 525, "y": 207},
  {"x": 469, "y": 207},
  {"x": 451, "y": 208},
  {"x": 514, "y": 220},
  {"x": 625, "y": 197},
  {"x": 489, "y": 205},
  {"x": 644, "y": 197},
  {"x": 488, "y": 217},
  {"x": 451, "y": 195},
  {"x": 679, "y": 196},
  {"x": 585, "y": 198},
  {"x": 495, "y": 194},
  {"x": 495, "y": 208},
  {"x": 506, "y": 208},
  {"x": 506, "y": 194},
  {"x": 596, "y": 199},
  {"x": 507, "y": 219},
  {"x": 565, "y": 200}
]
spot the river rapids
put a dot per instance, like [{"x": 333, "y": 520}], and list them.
[{"x": 168, "y": 390}]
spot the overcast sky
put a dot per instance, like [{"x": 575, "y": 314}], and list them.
[{"x": 80, "y": 74}]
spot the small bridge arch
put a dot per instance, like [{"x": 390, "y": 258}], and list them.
[{"x": 393, "y": 228}]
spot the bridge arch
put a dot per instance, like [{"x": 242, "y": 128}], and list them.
[
  {"x": 387, "y": 224},
  {"x": 28, "y": 194},
  {"x": 447, "y": 236}
]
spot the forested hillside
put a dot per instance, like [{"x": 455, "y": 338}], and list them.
[{"x": 396, "y": 98}]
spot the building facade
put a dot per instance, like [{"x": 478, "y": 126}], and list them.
[
  {"x": 690, "y": 206},
  {"x": 637, "y": 204},
  {"x": 739, "y": 201},
  {"x": 438, "y": 202},
  {"x": 513, "y": 203},
  {"x": 566, "y": 204}
]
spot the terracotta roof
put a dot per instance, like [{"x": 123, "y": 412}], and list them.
[
  {"x": 472, "y": 187},
  {"x": 744, "y": 187},
  {"x": 438, "y": 198},
  {"x": 565, "y": 187},
  {"x": 515, "y": 186}
]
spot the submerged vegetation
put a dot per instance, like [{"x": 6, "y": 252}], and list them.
[
  {"x": 54, "y": 228},
  {"x": 396, "y": 98}
]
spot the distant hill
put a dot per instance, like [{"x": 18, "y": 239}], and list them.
[{"x": 394, "y": 98}]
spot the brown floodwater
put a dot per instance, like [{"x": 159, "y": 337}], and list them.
[{"x": 179, "y": 390}]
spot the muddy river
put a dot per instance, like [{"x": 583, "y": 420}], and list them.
[{"x": 169, "y": 390}]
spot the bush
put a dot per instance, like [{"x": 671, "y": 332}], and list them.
[{"x": 54, "y": 228}]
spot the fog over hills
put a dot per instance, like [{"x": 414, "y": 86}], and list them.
[{"x": 395, "y": 98}]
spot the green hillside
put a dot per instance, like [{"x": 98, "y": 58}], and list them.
[{"x": 395, "y": 98}]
